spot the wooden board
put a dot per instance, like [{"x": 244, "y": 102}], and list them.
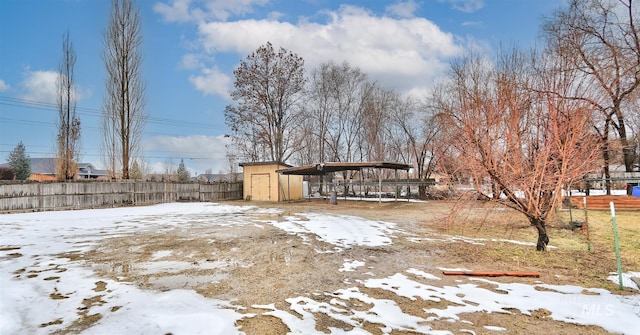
[{"x": 491, "y": 273}]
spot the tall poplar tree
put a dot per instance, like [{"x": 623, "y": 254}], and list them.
[
  {"x": 124, "y": 113},
  {"x": 68, "y": 139}
]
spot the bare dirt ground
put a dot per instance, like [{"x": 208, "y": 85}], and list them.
[{"x": 265, "y": 265}]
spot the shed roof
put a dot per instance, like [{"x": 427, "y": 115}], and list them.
[
  {"x": 264, "y": 163},
  {"x": 328, "y": 167}
]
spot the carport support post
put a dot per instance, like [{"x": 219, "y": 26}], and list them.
[
  {"x": 396, "y": 182},
  {"x": 379, "y": 187},
  {"x": 408, "y": 191},
  {"x": 361, "y": 177}
]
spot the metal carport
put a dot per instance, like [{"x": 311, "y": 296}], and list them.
[{"x": 331, "y": 167}]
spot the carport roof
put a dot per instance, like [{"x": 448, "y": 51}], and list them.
[{"x": 328, "y": 167}]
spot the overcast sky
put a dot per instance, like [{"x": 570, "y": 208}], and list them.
[{"x": 190, "y": 48}]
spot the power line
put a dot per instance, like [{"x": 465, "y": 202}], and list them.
[
  {"x": 46, "y": 153},
  {"x": 84, "y": 111},
  {"x": 48, "y": 124},
  {"x": 41, "y": 105}
]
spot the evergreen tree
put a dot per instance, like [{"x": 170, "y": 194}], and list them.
[
  {"x": 19, "y": 162},
  {"x": 135, "y": 172},
  {"x": 183, "y": 173}
]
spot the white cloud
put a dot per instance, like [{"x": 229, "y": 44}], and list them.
[
  {"x": 404, "y": 53},
  {"x": 275, "y": 15},
  {"x": 467, "y": 6},
  {"x": 4, "y": 86},
  {"x": 178, "y": 11},
  {"x": 200, "y": 152},
  {"x": 190, "y": 62},
  {"x": 403, "y": 8},
  {"x": 212, "y": 81},
  {"x": 188, "y": 10},
  {"x": 39, "y": 86}
]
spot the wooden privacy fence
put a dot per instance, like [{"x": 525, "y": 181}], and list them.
[
  {"x": 602, "y": 202},
  {"x": 19, "y": 197}
]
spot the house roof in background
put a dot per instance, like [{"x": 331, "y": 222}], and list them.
[
  {"x": 47, "y": 166},
  {"x": 40, "y": 165}
]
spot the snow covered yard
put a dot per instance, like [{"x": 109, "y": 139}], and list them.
[{"x": 203, "y": 268}]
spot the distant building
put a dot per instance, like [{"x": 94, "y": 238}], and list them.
[
  {"x": 44, "y": 169},
  {"x": 88, "y": 171}
]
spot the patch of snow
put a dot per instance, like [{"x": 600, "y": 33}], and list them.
[
  {"x": 566, "y": 303},
  {"x": 342, "y": 231},
  {"x": 495, "y": 328},
  {"x": 626, "y": 279},
  {"x": 349, "y": 265},
  {"x": 161, "y": 254},
  {"x": 422, "y": 274}
]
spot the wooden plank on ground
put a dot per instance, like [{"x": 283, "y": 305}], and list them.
[{"x": 491, "y": 273}]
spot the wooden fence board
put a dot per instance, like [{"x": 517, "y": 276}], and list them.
[
  {"x": 602, "y": 202},
  {"x": 22, "y": 197}
]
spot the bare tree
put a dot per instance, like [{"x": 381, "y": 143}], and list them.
[
  {"x": 232, "y": 167},
  {"x": 124, "y": 113},
  {"x": 415, "y": 136},
  {"x": 338, "y": 95},
  {"x": 374, "y": 137},
  {"x": 320, "y": 110},
  {"x": 169, "y": 170},
  {"x": 527, "y": 145},
  {"x": 600, "y": 41},
  {"x": 309, "y": 152},
  {"x": 351, "y": 90},
  {"x": 268, "y": 86},
  {"x": 68, "y": 139}
]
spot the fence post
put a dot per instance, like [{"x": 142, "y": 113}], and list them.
[
  {"x": 616, "y": 244},
  {"x": 586, "y": 222}
]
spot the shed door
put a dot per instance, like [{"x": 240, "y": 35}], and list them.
[{"x": 260, "y": 187}]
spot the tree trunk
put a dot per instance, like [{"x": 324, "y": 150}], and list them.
[
  {"x": 606, "y": 158},
  {"x": 422, "y": 190},
  {"x": 543, "y": 238},
  {"x": 496, "y": 190}
]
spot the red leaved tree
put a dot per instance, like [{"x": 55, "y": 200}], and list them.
[{"x": 521, "y": 145}]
